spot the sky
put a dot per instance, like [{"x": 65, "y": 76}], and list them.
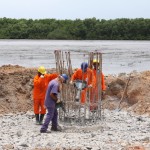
[{"x": 74, "y": 9}]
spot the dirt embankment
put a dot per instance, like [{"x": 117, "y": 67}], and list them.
[
  {"x": 16, "y": 84},
  {"x": 136, "y": 97}
]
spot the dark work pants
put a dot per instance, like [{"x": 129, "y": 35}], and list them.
[{"x": 52, "y": 115}]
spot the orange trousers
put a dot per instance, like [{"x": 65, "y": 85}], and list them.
[
  {"x": 83, "y": 96},
  {"x": 39, "y": 106},
  {"x": 93, "y": 98}
]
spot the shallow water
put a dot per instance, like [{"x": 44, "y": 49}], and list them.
[{"x": 118, "y": 56}]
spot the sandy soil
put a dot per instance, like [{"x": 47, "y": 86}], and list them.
[
  {"x": 136, "y": 98},
  {"x": 17, "y": 84}
]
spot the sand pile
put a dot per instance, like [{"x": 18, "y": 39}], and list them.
[{"x": 17, "y": 84}]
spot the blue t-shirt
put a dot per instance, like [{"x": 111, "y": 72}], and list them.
[{"x": 52, "y": 88}]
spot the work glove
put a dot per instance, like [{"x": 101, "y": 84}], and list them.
[
  {"x": 58, "y": 101},
  {"x": 41, "y": 76},
  {"x": 71, "y": 82},
  {"x": 90, "y": 86},
  {"x": 61, "y": 105},
  {"x": 58, "y": 104},
  {"x": 86, "y": 79}
]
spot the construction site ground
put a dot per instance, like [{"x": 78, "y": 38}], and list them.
[{"x": 125, "y": 124}]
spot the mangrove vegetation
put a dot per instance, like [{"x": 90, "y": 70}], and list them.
[{"x": 87, "y": 29}]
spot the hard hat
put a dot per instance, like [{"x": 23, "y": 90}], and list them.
[
  {"x": 84, "y": 66},
  {"x": 42, "y": 70},
  {"x": 65, "y": 77},
  {"x": 95, "y": 61}
]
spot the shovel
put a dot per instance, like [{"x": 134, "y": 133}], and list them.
[{"x": 125, "y": 89}]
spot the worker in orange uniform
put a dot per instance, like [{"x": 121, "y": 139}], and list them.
[
  {"x": 95, "y": 91},
  {"x": 41, "y": 81},
  {"x": 85, "y": 74}
]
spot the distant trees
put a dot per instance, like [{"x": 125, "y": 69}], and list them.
[{"x": 88, "y": 29}]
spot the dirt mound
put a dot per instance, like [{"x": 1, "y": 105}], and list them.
[
  {"x": 15, "y": 88},
  {"x": 136, "y": 97},
  {"x": 17, "y": 84}
]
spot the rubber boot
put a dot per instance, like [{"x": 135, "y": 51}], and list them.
[
  {"x": 37, "y": 118},
  {"x": 41, "y": 119}
]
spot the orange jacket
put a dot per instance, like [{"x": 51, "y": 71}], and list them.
[
  {"x": 40, "y": 85},
  {"x": 87, "y": 76},
  {"x": 103, "y": 80}
]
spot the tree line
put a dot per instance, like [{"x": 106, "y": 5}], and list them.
[{"x": 87, "y": 29}]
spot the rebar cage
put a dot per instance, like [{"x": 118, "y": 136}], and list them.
[{"x": 75, "y": 111}]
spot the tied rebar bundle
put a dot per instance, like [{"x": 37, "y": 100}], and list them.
[{"x": 75, "y": 111}]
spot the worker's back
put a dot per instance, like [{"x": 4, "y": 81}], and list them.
[{"x": 40, "y": 85}]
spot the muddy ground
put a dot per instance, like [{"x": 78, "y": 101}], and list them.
[{"x": 16, "y": 84}]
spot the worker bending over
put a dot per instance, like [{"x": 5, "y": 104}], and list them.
[
  {"x": 85, "y": 74},
  {"x": 51, "y": 99}
]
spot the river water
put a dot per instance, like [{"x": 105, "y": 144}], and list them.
[{"x": 118, "y": 56}]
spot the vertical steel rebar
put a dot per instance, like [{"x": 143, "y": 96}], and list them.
[{"x": 80, "y": 113}]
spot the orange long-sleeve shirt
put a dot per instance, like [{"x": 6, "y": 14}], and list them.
[
  {"x": 86, "y": 76},
  {"x": 40, "y": 85}
]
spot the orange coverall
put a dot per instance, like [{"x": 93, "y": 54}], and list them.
[
  {"x": 95, "y": 89},
  {"x": 39, "y": 91},
  {"x": 87, "y": 76}
]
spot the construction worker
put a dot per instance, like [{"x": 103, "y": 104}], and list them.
[
  {"x": 96, "y": 67},
  {"x": 51, "y": 99},
  {"x": 41, "y": 81},
  {"x": 85, "y": 74},
  {"x": 94, "y": 94}
]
